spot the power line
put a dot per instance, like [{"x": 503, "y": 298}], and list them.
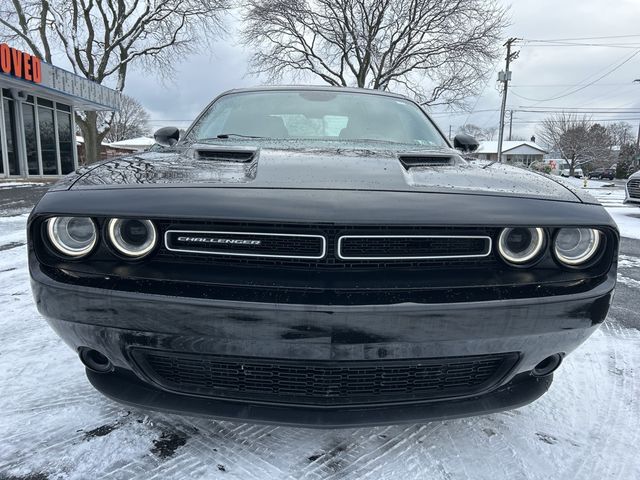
[
  {"x": 581, "y": 38},
  {"x": 609, "y": 72},
  {"x": 585, "y": 109},
  {"x": 533, "y": 109},
  {"x": 567, "y": 44},
  {"x": 489, "y": 77},
  {"x": 597, "y": 120},
  {"x": 552, "y": 85},
  {"x": 452, "y": 114}
]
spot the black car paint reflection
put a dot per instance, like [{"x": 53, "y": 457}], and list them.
[{"x": 328, "y": 341}]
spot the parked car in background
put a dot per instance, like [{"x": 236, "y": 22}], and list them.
[
  {"x": 319, "y": 256},
  {"x": 632, "y": 189},
  {"x": 566, "y": 172},
  {"x": 560, "y": 166},
  {"x": 602, "y": 174}
]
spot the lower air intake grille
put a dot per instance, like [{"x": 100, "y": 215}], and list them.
[
  {"x": 633, "y": 187},
  {"x": 325, "y": 383}
]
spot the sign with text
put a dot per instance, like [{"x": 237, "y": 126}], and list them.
[
  {"x": 98, "y": 96},
  {"x": 20, "y": 64},
  {"x": 87, "y": 95}
]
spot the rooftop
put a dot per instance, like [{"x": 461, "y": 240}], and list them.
[{"x": 492, "y": 147}]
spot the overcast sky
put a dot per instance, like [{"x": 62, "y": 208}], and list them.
[{"x": 540, "y": 72}]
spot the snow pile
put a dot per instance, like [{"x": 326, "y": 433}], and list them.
[
  {"x": 20, "y": 184},
  {"x": 611, "y": 196}
]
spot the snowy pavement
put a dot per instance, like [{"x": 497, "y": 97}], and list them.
[
  {"x": 55, "y": 426},
  {"x": 611, "y": 195}
]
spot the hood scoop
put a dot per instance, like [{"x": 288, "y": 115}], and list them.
[
  {"x": 226, "y": 154},
  {"x": 416, "y": 160}
]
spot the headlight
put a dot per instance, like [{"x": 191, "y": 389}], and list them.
[
  {"x": 575, "y": 246},
  {"x": 521, "y": 245},
  {"x": 72, "y": 236},
  {"x": 132, "y": 237}
]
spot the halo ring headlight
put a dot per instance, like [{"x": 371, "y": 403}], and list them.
[
  {"x": 72, "y": 236},
  {"x": 132, "y": 237},
  {"x": 521, "y": 245},
  {"x": 576, "y": 246}
]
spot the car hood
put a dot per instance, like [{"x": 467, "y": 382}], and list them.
[{"x": 339, "y": 168}]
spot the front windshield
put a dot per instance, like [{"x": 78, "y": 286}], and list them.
[{"x": 316, "y": 115}]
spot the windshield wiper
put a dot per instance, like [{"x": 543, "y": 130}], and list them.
[
  {"x": 227, "y": 135},
  {"x": 376, "y": 140}
]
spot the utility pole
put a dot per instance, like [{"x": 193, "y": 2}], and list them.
[
  {"x": 449, "y": 131},
  {"x": 510, "y": 123},
  {"x": 637, "y": 80},
  {"x": 504, "y": 77}
]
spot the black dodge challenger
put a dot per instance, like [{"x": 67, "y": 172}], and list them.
[{"x": 322, "y": 257}]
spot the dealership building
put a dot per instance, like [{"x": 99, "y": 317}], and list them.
[{"x": 37, "y": 125}]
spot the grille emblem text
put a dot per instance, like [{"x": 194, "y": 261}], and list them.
[{"x": 228, "y": 241}]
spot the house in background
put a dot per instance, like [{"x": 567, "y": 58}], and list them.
[
  {"x": 515, "y": 152},
  {"x": 116, "y": 149},
  {"x": 138, "y": 144},
  {"x": 105, "y": 152}
]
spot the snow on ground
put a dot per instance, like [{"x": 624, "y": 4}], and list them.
[
  {"x": 611, "y": 195},
  {"x": 55, "y": 426},
  {"x": 11, "y": 184}
]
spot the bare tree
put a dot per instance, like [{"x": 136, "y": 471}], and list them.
[
  {"x": 437, "y": 50},
  {"x": 131, "y": 121},
  {"x": 621, "y": 133},
  {"x": 479, "y": 133},
  {"x": 102, "y": 39},
  {"x": 578, "y": 140}
]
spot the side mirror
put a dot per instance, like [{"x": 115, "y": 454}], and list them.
[
  {"x": 465, "y": 143},
  {"x": 167, "y": 136}
]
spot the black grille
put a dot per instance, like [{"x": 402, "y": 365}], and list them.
[
  {"x": 633, "y": 187},
  {"x": 331, "y": 233},
  {"x": 413, "y": 247},
  {"x": 246, "y": 243},
  {"x": 327, "y": 383}
]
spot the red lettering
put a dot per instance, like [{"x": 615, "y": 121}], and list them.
[
  {"x": 16, "y": 61},
  {"x": 36, "y": 70},
  {"x": 5, "y": 58},
  {"x": 26, "y": 61},
  {"x": 20, "y": 64}
]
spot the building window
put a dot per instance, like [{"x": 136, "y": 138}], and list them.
[
  {"x": 31, "y": 142},
  {"x": 13, "y": 160},
  {"x": 47, "y": 141},
  {"x": 37, "y": 138},
  {"x": 65, "y": 141}
]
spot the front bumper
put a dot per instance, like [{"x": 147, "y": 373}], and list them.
[
  {"x": 635, "y": 199},
  {"x": 115, "y": 322},
  {"x": 128, "y": 389}
]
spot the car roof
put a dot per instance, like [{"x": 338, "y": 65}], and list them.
[{"x": 271, "y": 88}]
